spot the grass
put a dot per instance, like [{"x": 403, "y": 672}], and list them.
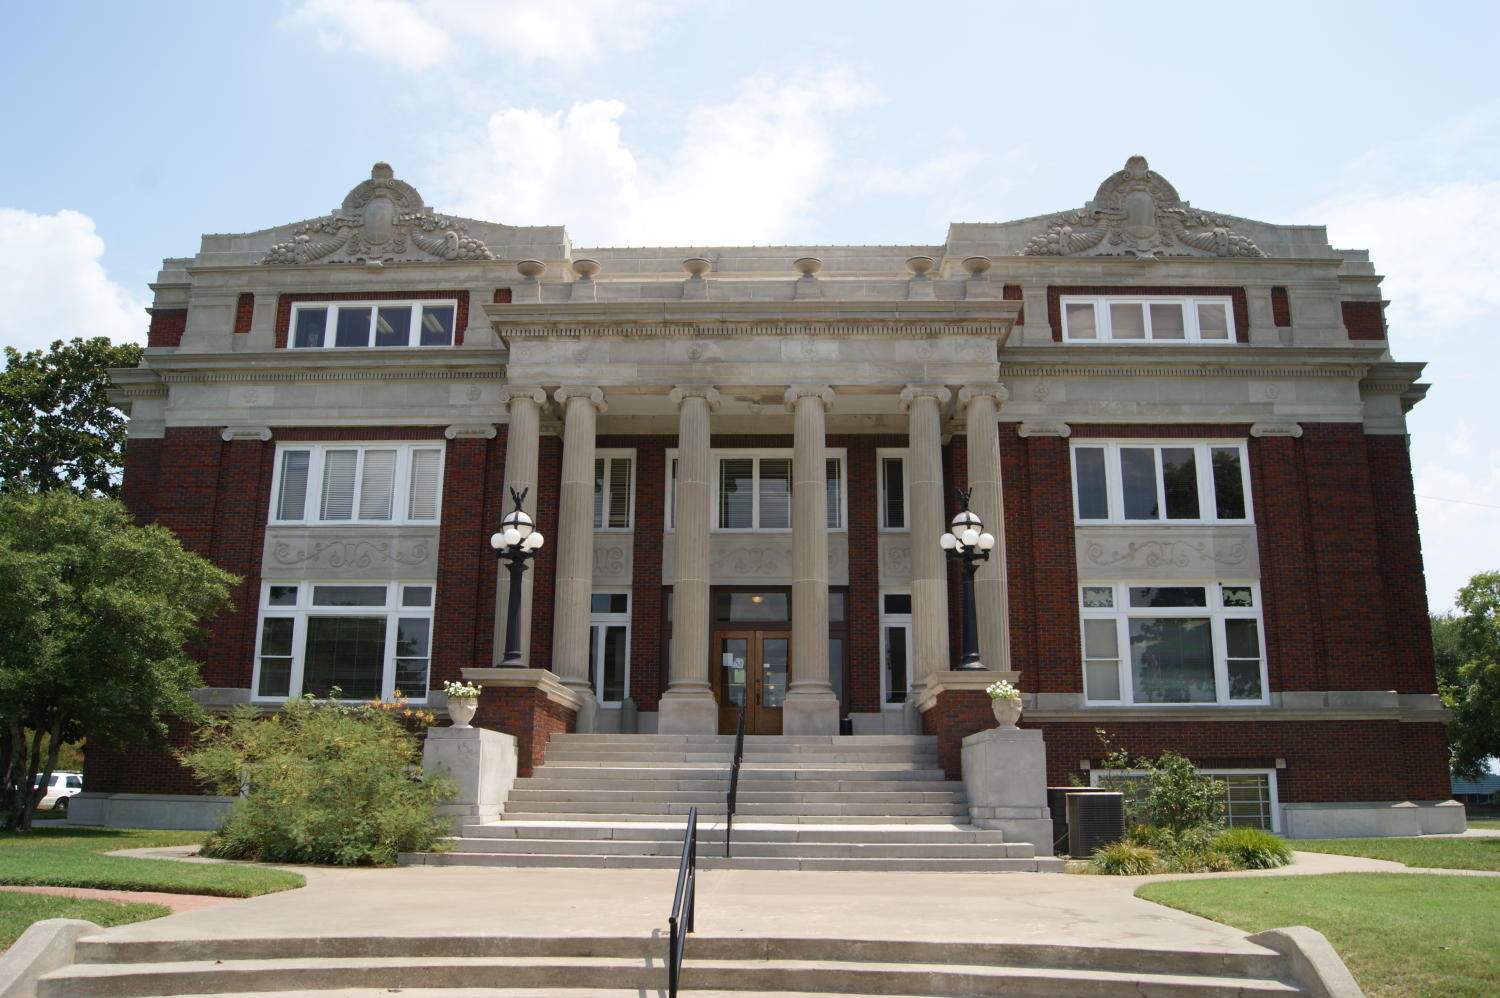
[
  {"x": 1401, "y": 935},
  {"x": 18, "y": 911},
  {"x": 69, "y": 857},
  {"x": 1445, "y": 854},
  {"x": 1484, "y": 815}
]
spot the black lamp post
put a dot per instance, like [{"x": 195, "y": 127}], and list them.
[
  {"x": 968, "y": 543},
  {"x": 517, "y": 543}
]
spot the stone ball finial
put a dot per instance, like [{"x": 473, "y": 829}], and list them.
[
  {"x": 920, "y": 265},
  {"x": 977, "y": 266},
  {"x": 697, "y": 266},
  {"x": 531, "y": 269},
  {"x": 586, "y": 268},
  {"x": 807, "y": 266},
  {"x": 381, "y": 171}
]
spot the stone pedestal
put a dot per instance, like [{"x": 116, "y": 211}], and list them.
[
  {"x": 530, "y": 704},
  {"x": 1005, "y": 777},
  {"x": 482, "y": 763}
]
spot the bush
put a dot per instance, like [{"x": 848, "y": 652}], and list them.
[
  {"x": 320, "y": 783},
  {"x": 1253, "y": 849},
  {"x": 1125, "y": 859},
  {"x": 1179, "y": 797}
]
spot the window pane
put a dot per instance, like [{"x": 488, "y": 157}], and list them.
[
  {"x": 393, "y": 326},
  {"x": 1238, "y": 595},
  {"x": 1080, "y": 321},
  {"x": 1172, "y": 660},
  {"x": 672, "y": 496},
  {"x": 751, "y": 607},
  {"x": 893, "y": 484},
  {"x": 276, "y": 636},
  {"x": 426, "y": 472},
  {"x": 1249, "y": 799},
  {"x": 413, "y": 652},
  {"x": 599, "y": 464},
  {"x": 736, "y": 500},
  {"x": 836, "y": 607},
  {"x": 1242, "y": 638},
  {"x": 275, "y": 677},
  {"x": 310, "y": 325},
  {"x": 348, "y": 596},
  {"x": 282, "y": 596},
  {"x": 353, "y": 327},
  {"x": 1213, "y": 321},
  {"x": 338, "y": 484},
  {"x": 834, "y": 481},
  {"x": 609, "y": 603},
  {"x": 1101, "y": 680},
  {"x": 612, "y": 668},
  {"x": 897, "y": 602},
  {"x": 1089, "y": 481},
  {"x": 437, "y": 326},
  {"x": 377, "y": 487},
  {"x": 895, "y": 663},
  {"x": 1127, "y": 321},
  {"x": 416, "y": 595},
  {"x": 1098, "y": 596},
  {"x": 1162, "y": 596},
  {"x": 772, "y": 665},
  {"x": 346, "y": 652},
  {"x": 775, "y": 492},
  {"x": 619, "y": 492},
  {"x": 1244, "y": 679},
  {"x": 1229, "y": 483},
  {"x": 1179, "y": 473},
  {"x": 1166, "y": 322},
  {"x": 292, "y": 504},
  {"x": 411, "y": 677},
  {"x": 1138, "y": 482},
  {"x": 1101, "y": 639}
]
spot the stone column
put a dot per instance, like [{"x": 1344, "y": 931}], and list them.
[
  {"x": 811, "y": 706},
  {"x": 575, "y": 548},
  {"x": 929, "y": 571},
  {"x": 688, "y": 705},
  {"x": 991, "y": 592},
  {"x": 521, "y": 441}
]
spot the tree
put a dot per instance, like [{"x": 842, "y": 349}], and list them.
[
  {"x": 1474, "y": 694},
  {"x": 93, "y": 626},
  {"x": 57, "y": 427}
]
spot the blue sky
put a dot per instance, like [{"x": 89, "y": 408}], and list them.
[{"x": 135, "y": 127}]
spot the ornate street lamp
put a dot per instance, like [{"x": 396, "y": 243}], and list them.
[
  {"x": 517, "y": 543},
  {"x": 968, "y": 543}
]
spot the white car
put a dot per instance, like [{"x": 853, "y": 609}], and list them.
[{"x": 63, "y": 786}]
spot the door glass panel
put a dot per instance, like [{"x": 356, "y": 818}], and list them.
[
  {"x": 773, "y": 653},
  {"x": 732, "y": 655}
]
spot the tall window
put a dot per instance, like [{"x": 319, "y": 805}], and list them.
[
  {"x": 1180, "y": 482},
  {"x": 1150, "y": 319},
  {"x": 371, "y": 483},
  {"x": 1173, "y": 644},
  {"x": 893, "y": 490},
  {"x": 368, "y": 640},
  {"x": 753, "y": 490},
  {"x": 609, "y": 647},
  {"x": 373, "y": 324},
  {"x": 895, "y": 647},
  {"x": 613, "y": 491}
]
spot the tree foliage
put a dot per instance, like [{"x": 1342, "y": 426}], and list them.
[
  {"x": 58, "y": 429},
  {"x": 1167, "y": 792},
  {"x": 96, "y": 616},
  {"x": 1471, "y": 638}
]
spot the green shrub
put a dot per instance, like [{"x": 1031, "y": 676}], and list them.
[
  {"x": 1125, "y": 859},
  {"x": 1252, "y": 848},
  {"x": 1160, "y": 839},
  {"x": 321, "y": 782},
  {"x": 1179, "y": 797}
]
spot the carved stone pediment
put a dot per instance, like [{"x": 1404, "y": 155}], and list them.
[
  {"x": 1137, "y": 213},
  {"x": 382, "y": 220}
]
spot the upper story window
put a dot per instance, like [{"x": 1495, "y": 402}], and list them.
[
  {"x": 1177, "y": 482},
  {"x": 373, "y": 324},
  {"x": 1099, "y": 319},
  {"x": 613, "y": 478},
  {"x": 369, "y": 483},
  {"x": 753, "y": 490},
  {"x": 893, "y": 490}
]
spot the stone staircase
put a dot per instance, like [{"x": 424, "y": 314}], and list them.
[{"x": 819, "y": 802}]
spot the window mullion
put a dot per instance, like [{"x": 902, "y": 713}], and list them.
[{"x": 755, "y": 493}]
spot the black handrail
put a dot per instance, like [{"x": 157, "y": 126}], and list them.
[
  {"x": 734, "y": 779},
  {"x": 680, "y": 922}
]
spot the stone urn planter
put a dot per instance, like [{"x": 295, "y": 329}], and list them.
[
  {"x": 461, "y": 710},
  {"x": 1007, "y": 711}
]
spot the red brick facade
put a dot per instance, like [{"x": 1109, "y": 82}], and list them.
[
  {"x": 167, "y": 327},
  {"x": 1364, "y": 320},
  {"x": 530, "y": 716},
  {"x": 244, "y": 313}
]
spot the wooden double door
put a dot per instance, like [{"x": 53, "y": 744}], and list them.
[{"x": 751, "y": 667}]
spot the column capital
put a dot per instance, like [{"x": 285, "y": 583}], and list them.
[
  {"x": 470, "y": 431},
  {"x": 994, "y": 390},
  {"x": 1044, "y": 428},
  {"x": 515, "y": 393},
  {"x": 911, "y": 393},
  {"x": 797, "y": 393},
  {"x": 706, "y": 392},
  {"x": 567, "y": 393}
]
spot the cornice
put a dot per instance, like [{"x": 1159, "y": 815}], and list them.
[
  {"x": 984, "y": 317},
  {"x": 286, "y": 366}
]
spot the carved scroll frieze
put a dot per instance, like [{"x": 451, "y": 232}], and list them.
[
  {"x": 293, "y": 553},
  {"x": 895, "y": 559},
  {"x": 613, "y": 558},
  {"x": 1167, "y": 553}
]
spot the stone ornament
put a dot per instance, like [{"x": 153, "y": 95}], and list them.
[
  {"x": 357, "y": 554},
  {"x": 1136, "y": 212},
  {"x": 383, "y": 220}
]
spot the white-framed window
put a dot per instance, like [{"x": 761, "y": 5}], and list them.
[
  {"x": 1147, "y": 319},
  {"x": 752, "y": 490},
  {"x": 330, "y": 325},
  {"x": 1250, "y": 795},
  {"x": 357, "y": 483},
  {"x": 367, "y": 639},
  {"x": 1173, "y": 643},
  {"x": 609, "y": 647},
  {"x": 890, "y": 466},
  {"x": 895, "y": 647},
  {"x": 614, "y": 490},
  {"x": 1176, "y": 481}
]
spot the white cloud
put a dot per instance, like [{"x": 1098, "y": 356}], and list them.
[
  {"x": 746, "y": 171},
  {"x": 1458, "y": 507},
  {"x": 54, "y": 286},
  {"x": 417, "y": 34}
]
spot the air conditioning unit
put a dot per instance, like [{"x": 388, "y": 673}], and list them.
[
  {"x": 1094, "y": 820},
  {"x": 1057, "y": 804}
]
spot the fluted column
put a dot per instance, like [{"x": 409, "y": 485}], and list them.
[
  {"x": 688, "y": 705},
  {"x": 929, "y": 572},
  {"x": 811, "y": 707},
  {"x": 521, "y": 441},
  {"x": 575, "y": 547},
  {"x": 991, "y": 593}
]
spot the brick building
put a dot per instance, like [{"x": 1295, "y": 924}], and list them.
[{"x": 1189, "y": 424}]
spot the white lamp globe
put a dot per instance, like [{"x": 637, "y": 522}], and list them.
[
  {"x": 948, "y": 541},
  {"x": 986, "y": 541},
  {"x": 970, "y": 537},
  {"x": 512, "y": 537},
  {"x": 533, "y": 541},
  {"x": 497, "y": 541}
]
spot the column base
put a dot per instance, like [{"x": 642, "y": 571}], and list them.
[
  {"x": 588, "y": 708},
  {"x": 687, "y": 714},
  {"x": 810, "y": 714}
]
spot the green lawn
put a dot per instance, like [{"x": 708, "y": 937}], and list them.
[
  {"x": 18, "y": 911},
  {"x": 1445, "y": 854},
  {"x": 1402, "y": 935}
]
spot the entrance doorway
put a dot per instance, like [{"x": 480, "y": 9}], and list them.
[{"x": 753, "y": 668}]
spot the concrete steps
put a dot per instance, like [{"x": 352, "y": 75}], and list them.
[{"x": 458, "y": 967}]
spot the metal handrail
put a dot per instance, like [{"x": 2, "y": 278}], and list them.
[
  {"x": 680, "y": 922},
  {"x": 734, "y": 779}
]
